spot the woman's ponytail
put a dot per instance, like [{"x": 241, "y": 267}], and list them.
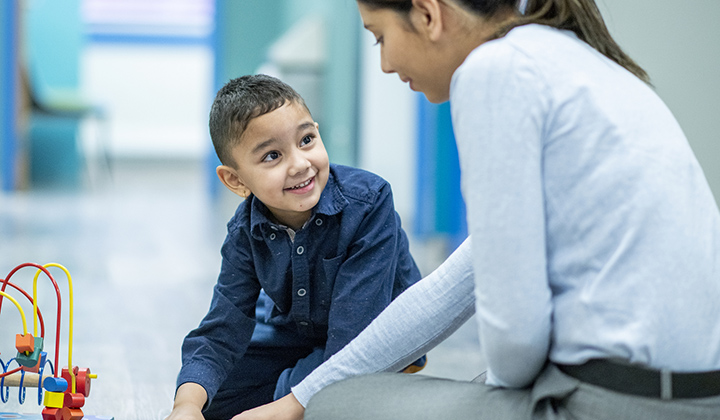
[{"x": 582, "y": 17}]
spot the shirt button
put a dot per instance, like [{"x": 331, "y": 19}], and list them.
[
  {"x": 301, "y": 292},
  {"x": 272, "y": 236},
  {"x": 318, "y": 222},
  {"x": 300, "y": 250},
  {"x": 304, "y": 323}
]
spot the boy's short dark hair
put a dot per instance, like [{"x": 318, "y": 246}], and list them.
[{"x": 241, "y": 100}]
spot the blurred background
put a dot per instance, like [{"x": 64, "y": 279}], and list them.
[{"x": 106, "y": 164}]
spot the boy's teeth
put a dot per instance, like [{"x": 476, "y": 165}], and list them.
[{"x": 304, "y": 184}]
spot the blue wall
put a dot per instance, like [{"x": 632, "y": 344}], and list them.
[
  {"x": 54, "y": 39},
  {"x": 8, "y": 93},
  {"x": 245, "y": 29},
  {"x": 440, "y": 207}
]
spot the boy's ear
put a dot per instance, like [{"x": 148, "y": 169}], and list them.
[
  {"x": 426, "y": 16},
  {"x": 232, "y": 181}
]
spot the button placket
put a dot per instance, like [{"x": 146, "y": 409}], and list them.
[{"x": 301, "y": 284}]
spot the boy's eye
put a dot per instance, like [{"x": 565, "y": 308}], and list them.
[
  {"x": 378, "y": 40},
  {"x": 270, "y": 156},
  {"x": 306, "y": 140}
]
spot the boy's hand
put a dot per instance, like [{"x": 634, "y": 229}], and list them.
[
  {"x": 185, "y": 412},
  {"x": 286, "y": 408},
  {"x": 189, "y": 401}
]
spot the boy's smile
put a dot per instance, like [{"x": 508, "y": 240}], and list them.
[{"x": 281, "y": 160}]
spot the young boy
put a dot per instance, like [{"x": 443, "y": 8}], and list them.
[{"x": 313, "y": 254}]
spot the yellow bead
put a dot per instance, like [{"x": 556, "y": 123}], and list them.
[{"x": 54, "y": 399}]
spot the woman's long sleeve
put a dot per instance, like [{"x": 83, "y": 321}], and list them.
[{"x": 415, "y": 322}]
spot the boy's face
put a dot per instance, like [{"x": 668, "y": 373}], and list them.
[{"x": 281, "y": 160}]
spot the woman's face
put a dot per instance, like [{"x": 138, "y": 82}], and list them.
[{"x": 407, "y": 51}]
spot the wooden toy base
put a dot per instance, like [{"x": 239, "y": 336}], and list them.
[{"x": 25, "y": 416}]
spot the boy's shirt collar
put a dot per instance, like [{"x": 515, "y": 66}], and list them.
[{"x": 332, "y": 201}]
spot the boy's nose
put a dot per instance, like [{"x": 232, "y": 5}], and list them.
[{"x": 299, "y": 164}]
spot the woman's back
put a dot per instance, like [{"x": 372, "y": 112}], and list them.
[{"x": 604, "y": 192}]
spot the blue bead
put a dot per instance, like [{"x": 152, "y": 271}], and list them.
[{"x": 53, "y": 384}]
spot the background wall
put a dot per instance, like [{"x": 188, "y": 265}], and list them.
[
  {"x": 249, "y": 34},
  {"x": 678, "y": 44},
  {"x": 9, "y": 42},
  {"x": 157, "y": 90}
]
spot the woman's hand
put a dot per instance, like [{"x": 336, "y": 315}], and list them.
[{"x": 286, "y": 408}]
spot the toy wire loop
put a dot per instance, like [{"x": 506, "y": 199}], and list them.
[{"x": 38, "y": 319}]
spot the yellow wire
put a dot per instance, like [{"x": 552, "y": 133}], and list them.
[
  {"x": 70, "y": 345},
  {"x": 22, "y": 314}
]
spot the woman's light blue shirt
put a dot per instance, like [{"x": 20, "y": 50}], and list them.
[{"x": 595, "y": 234}]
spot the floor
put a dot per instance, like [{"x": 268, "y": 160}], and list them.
[{"x": 142, "y": 246}]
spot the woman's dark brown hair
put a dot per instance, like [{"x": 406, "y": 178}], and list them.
[{"x": 580, "y": 16}]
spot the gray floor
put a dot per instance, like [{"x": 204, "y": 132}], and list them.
[{"x": 142, "y": 247}]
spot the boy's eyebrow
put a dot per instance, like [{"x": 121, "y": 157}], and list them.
[
  {"x": 263, "y": 145},
  {"x": 306, "y": 125},
  {"x": 268, "y": 142}
]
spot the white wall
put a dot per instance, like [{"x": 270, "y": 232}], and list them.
[
  {"x": 387, "y": 127},
  {"x": 157, "y": 97},
  {"x": 678, "y": 44}
]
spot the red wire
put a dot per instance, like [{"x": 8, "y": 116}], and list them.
[
  {"x": 57, "y": 293},
  {"x": 2, "y": 375},
  {"x": 40, "y": 317}
]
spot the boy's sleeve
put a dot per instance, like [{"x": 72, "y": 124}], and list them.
[
  {"x": 210, "y": 350},
  {"x": 365, "y": 281}
]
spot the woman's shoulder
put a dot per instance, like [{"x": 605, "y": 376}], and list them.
[
  {"x": 531, "y": 42},
  {"x": 533, "y": 51}
]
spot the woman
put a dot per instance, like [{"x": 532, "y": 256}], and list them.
[{"x": 596, "y": 239}]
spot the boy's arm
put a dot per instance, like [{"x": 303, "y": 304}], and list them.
[
  {"x": 224, "y": 333},
  {"x": 189, "y": 401}
]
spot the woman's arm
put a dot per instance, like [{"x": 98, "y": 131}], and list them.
[
  {"x": 419, "y": 319},
  {"x": 416, "y": 321},
  {"x": 501, "y": 107}
]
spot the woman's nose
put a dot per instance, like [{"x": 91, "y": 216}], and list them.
[{"x": 385, "y": 65}]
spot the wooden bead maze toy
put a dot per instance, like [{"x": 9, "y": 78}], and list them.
[{"x": 66, "y": 389}]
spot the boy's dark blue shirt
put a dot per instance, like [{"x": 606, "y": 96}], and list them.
[{"x": 342, "y": 269}]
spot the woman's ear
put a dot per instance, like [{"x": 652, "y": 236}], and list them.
[
  {"x": 426, "y": 17},
  {"x": 232, "y": 181}
]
